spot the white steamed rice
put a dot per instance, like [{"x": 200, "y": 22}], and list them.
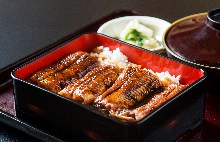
[
  {"x": 107, "y": 57},
  {"x": 117, "y": 58}
]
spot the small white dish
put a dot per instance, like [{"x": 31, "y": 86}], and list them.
[{"x": 114, "y": 27}]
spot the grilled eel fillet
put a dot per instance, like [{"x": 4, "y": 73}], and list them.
[
  {"x": 62, "y": 73},
  {"x": 93, "y": 84},
  {"x": 130, "y": 89},
  {"x": 60, "y": 65},
  {"x": 155, "y": 101}
]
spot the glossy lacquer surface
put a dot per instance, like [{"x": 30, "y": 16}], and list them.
[{"x": 196, "y": 39}]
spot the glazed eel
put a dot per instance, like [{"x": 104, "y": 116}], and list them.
[{"x": 65, "y": 71}]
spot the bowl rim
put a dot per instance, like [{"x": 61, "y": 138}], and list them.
[
  {"x": 168, "y": 24},
  {"x": 178, "y": 56},
  {"x": 127, "y": 18}
]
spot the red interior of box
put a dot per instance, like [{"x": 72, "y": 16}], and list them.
[{"x": 87, "y": 42}]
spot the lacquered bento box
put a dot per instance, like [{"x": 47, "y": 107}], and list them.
[{"x": 70, "y": 118}]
